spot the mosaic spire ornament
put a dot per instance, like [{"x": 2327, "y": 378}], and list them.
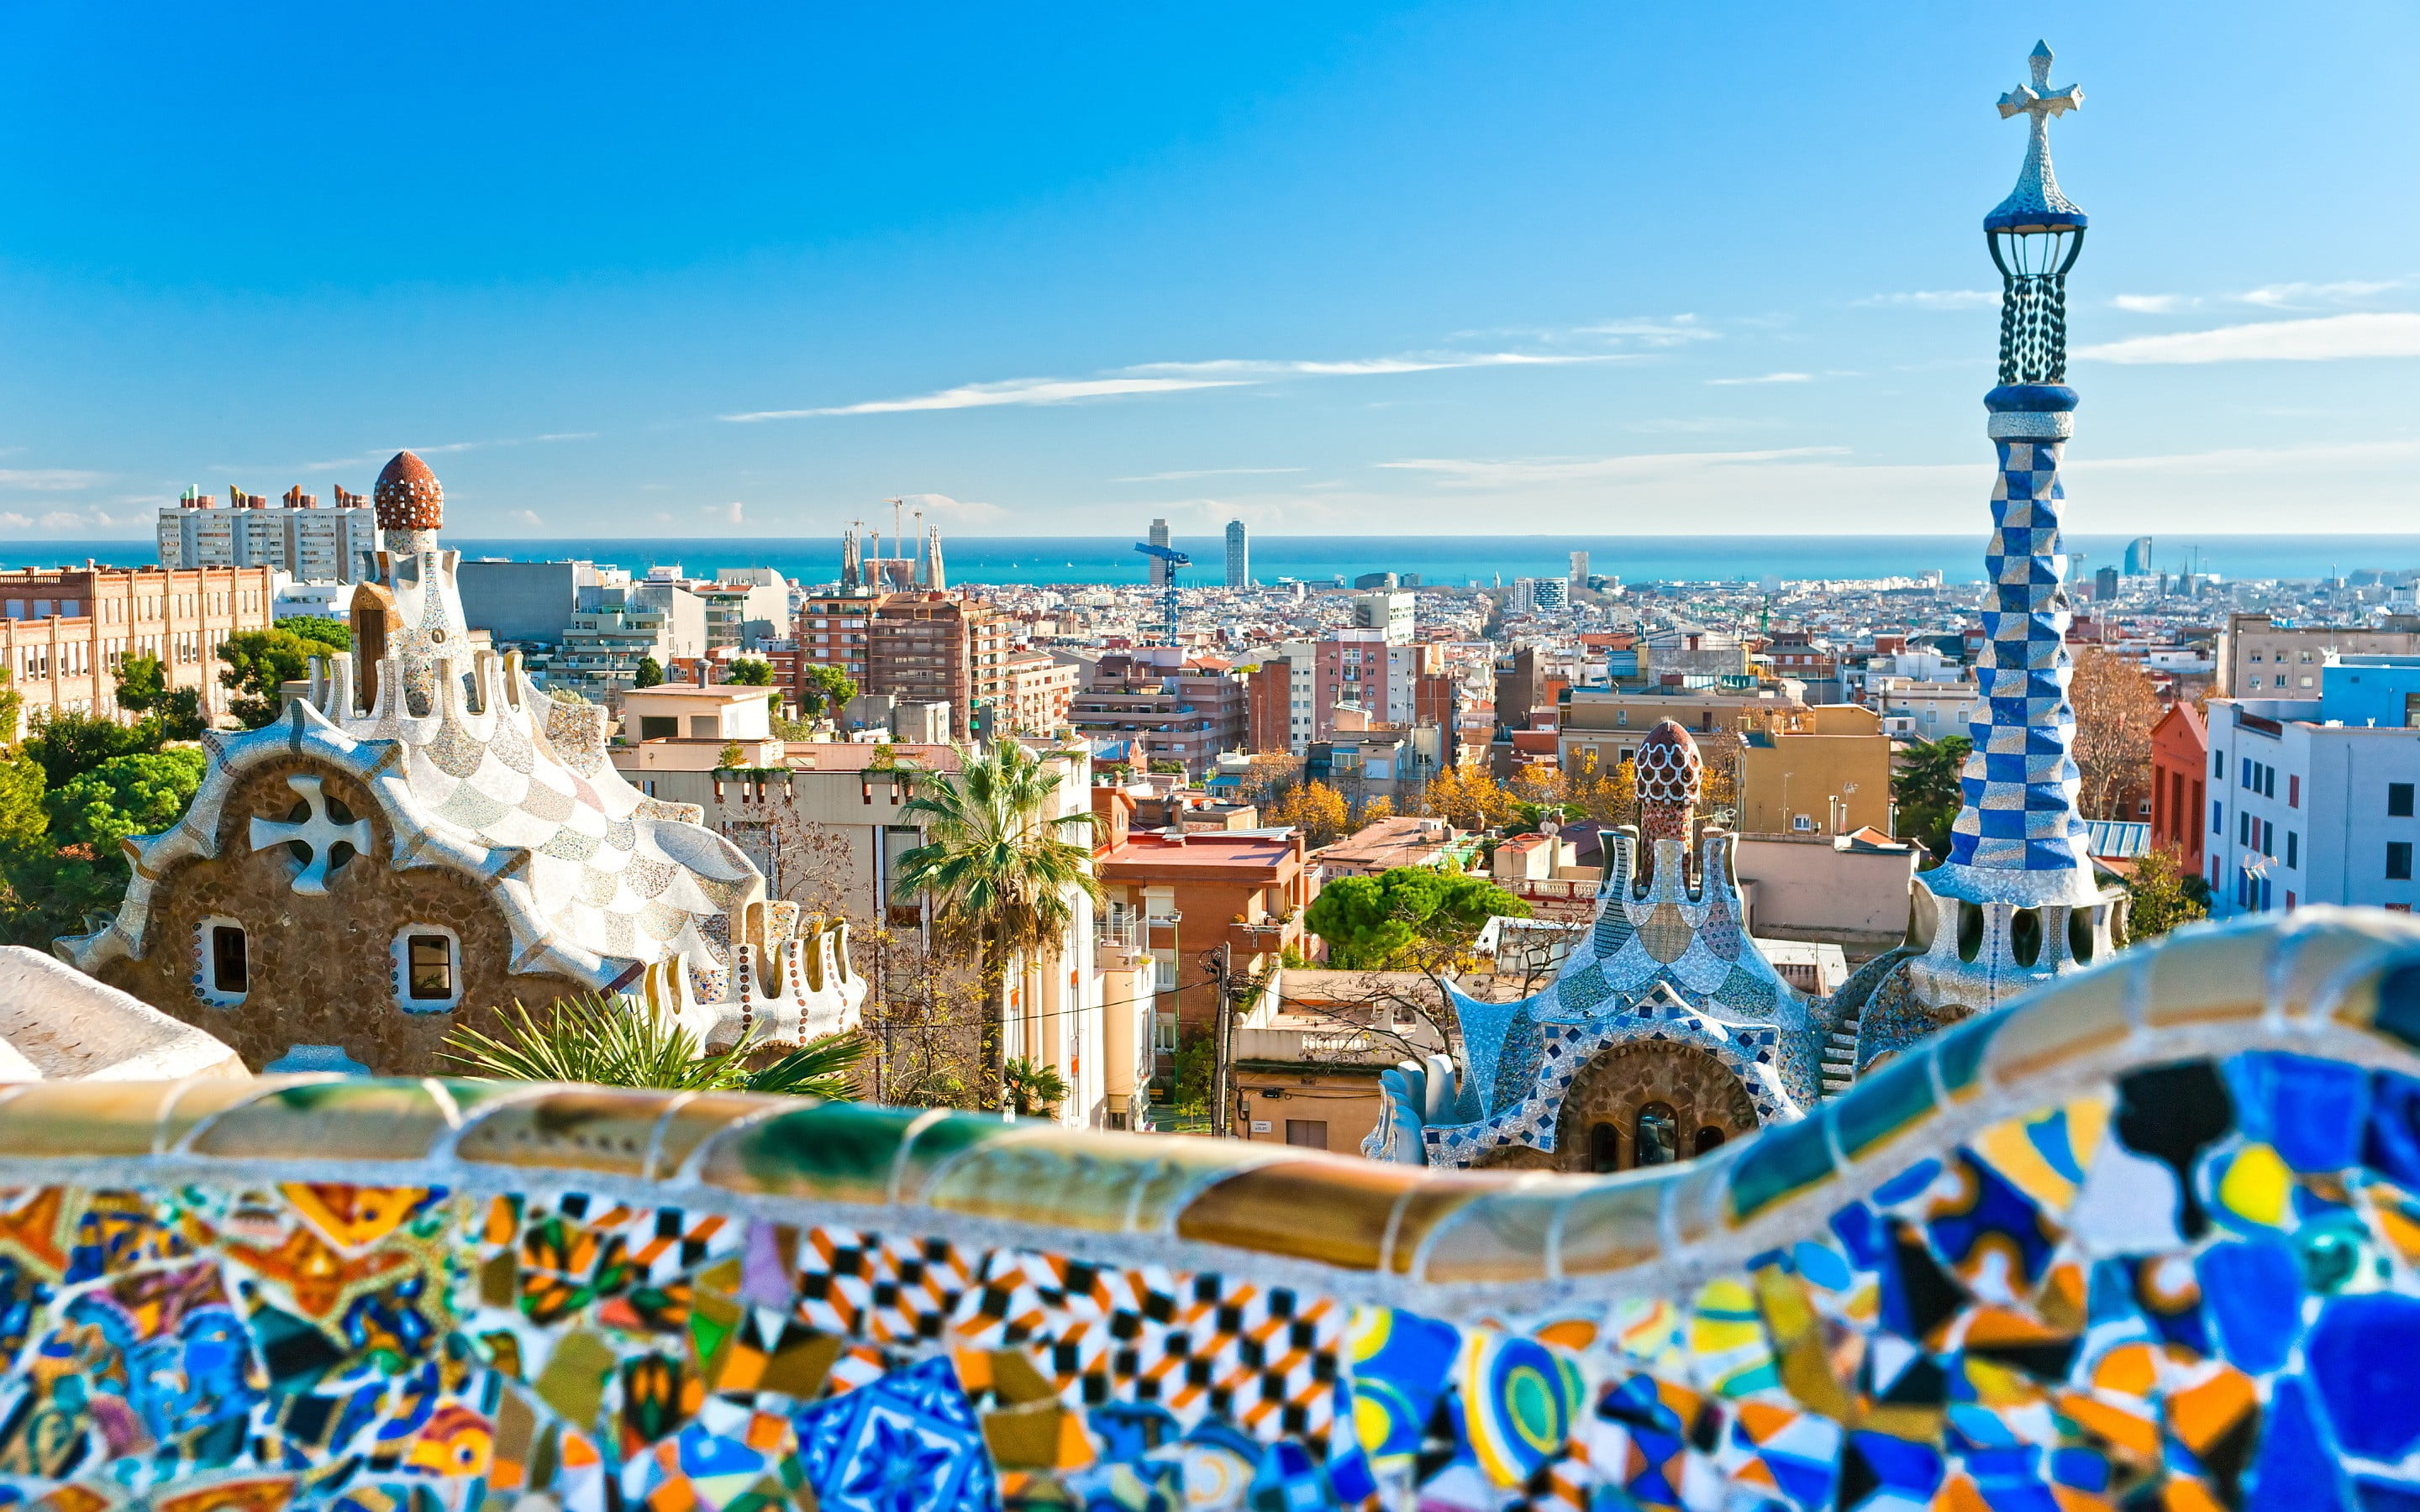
[
  {"x": 2018, "y": 837},
  {"x": 2016, "y": 902}
]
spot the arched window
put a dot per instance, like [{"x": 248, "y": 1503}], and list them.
[
  {"x": 1708, "y": 1138},
  {"x": 1605, "y": 1148},
  {"x": 1659, "y": 1135}
]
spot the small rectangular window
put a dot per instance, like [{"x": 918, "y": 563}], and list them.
[
  {"x": 2293, "y": 793},
  {"x": 1312, "y": 1134},
  {"x": 2293, "y": 849},
  {"x": 2398, "y": 800},
  {"x": 659, "y": 727},
  {"x": 2268, "y": 781},
  {"x": 2398, "y": 860},
  {"x": 230, "y": 965},
  {"x": 431, "y": 967},
  {"x": 2217, "y": 817}
]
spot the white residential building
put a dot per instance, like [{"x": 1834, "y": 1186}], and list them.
[
  {"x": 297, "y": 536},
  {"x": 2317, "y": 804}
]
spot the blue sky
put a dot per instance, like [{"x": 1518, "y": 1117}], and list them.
[{"x": 1341, "y": 267}]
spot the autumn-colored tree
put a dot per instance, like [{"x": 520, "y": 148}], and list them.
[
  {"x": 1602, "y": 792},
  {"x": 2115, "y": 709},
  {"x": 2164, "y": 895},
  {"x": 1316, "y": 808},
  {"x": 1468, "y": 797},
  {"x": 1375, "y": 809},
  {"x": 1269, "y": 775},
  {"x": 1539, "y": 784}
]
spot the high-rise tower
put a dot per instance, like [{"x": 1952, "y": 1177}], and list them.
[
  {"x": 1239, "y": 555},
  {"x": 1162, "y": 574}
]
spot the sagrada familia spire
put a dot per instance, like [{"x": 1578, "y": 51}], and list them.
[{"x": 2016, "y": 901}]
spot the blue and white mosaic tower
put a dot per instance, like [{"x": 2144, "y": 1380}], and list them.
[{"x": 2017, "y": 900}]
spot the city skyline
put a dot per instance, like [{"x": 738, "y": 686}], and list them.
[{"x": 1151, "y": 271}]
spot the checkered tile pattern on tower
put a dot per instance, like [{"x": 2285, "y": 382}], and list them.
[{"x": 2020, "y": 782}]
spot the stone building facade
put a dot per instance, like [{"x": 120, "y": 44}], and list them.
[{"x": 423, "y": 836}]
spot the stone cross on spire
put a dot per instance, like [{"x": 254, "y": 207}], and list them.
[
  {"x": 2035, "y": 202},
  {"x": 2038, "y": 98}
]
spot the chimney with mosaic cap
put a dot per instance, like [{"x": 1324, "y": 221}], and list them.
[{"x": 411, "y": 505}]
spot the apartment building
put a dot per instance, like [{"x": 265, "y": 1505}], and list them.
[
  {"x": 1607, "y": 726},
  {"x": 1041, "y": 690},
  {"x": 1385, "y": 682},
  {"x": 827, "y": 823},
  {"x": 296, "y": 536},
  {"x": 2316, "y": 803},
  {"x": 936, "y": 647},
  {"x": 64, "y": 634},
  {"x": 2259, "y": 659},
  {"x": 743, "y": 608},
  {"x": 1192, "y": 901},
  {"x": 1160, "y": 707},
  {"x": 1822, "y": 771}
]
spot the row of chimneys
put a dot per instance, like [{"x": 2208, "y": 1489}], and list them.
[{"x": 295, "y": 498}]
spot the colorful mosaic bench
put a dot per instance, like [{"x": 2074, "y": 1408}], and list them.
[{"x": 2147, "y": 1240}]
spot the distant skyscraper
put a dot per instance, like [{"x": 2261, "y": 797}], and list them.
[
  {"x": 1239, "y": 555},
  {"x": 2104, "y": 585},
  {"x": 2138, "y": 557},
  {"x": 1579, "y": 569},
  {"x": 1160, "y": 570}
]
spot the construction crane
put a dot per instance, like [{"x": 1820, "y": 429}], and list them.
[{"x": 1170, "y": 559}]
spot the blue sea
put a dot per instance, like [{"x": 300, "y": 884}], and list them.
[{"x": 1450, "y": 560}]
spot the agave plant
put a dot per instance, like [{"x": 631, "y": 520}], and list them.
[
  {"x": 1032, "y": 1087},
  {"x": 610, "y": 1041}
]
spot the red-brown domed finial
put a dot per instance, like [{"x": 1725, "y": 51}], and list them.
[
  {"x": 408, "y": 496},
  {"x": 1670, "y": 776}
]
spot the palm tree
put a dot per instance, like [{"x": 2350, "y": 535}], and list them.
[
  {"x": 610, "y": 1041},
  {"x": 1032, "y": 1087},
  {"x": 998, "y": 865}
]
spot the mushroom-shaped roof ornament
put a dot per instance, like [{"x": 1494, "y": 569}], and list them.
[{"x": 408, "y": 496}]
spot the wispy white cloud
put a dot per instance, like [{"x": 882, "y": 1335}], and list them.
[
  {"x": 48, "y": 479},
  {"x": 1012, "y": 391},
  {"x": 1767, "y": 378},
  {"x": 2301, "y": 296},
  {"x": 1205, "y": 472},
  {"x": 1534, "y": 472},
  {"x": 1933, "y": 299},
  {"x": 2232, "y": 460},
  {"x": 2326, "y": 338},
  {"x": 1172, "y": 378},
  {"x": 1254, "y": 369},
  {"x": 380, "y": 454},
  {"x": 2152, "y": 303},
  {"x": 940, "y": 509},
  {"x": 732, "y": 512},
  {"x": 1628, "y": 332}
]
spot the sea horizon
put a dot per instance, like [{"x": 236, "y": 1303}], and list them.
[{"x": 1446, "y": 561}]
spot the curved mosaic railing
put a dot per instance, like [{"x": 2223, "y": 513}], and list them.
[{"x": 2147, "y": 1236}]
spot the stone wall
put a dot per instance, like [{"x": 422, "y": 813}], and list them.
[
  {"x": 1700, "y": 1091},
  {"x": 321, "y": 968}
]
